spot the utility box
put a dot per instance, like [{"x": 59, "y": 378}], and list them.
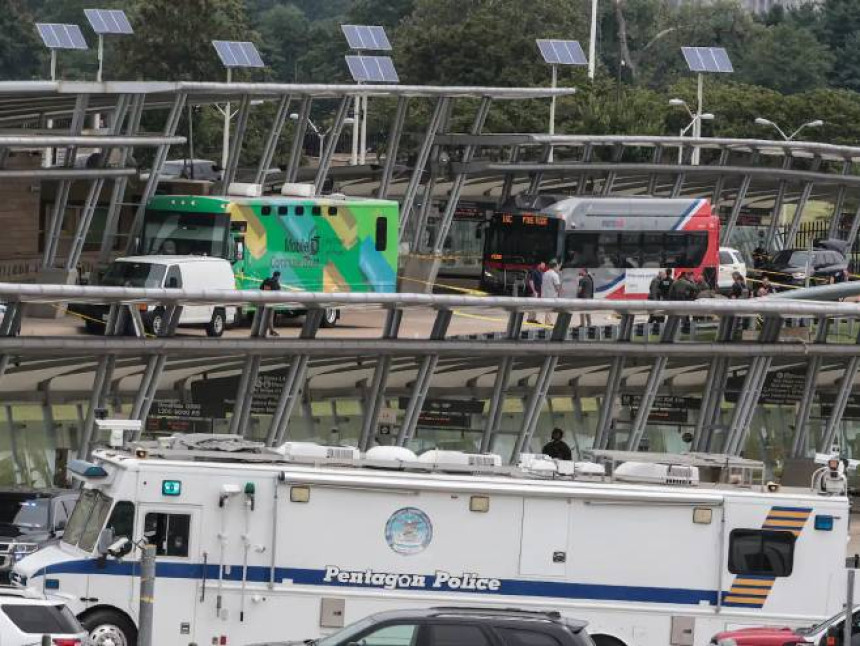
[
  {"x": 683, "y": 631},
  {"x": 331, "y": 612}
]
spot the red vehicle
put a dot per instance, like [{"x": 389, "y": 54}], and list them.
[
  {"x": 781, "y": 636},
  {"x": 622, "y": 242}
]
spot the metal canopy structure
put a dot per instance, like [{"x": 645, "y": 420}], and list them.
[{"x": 651, "y": 360}]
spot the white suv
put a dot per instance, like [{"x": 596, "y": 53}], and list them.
[
  {"x": 24, "y": 621},
  {"x": 731, "y": 261}
]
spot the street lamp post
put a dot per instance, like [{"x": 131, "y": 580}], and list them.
[
  {"x": 817, "y": 123},
  {"x": 322, "y": 134},
  {"x": 696, "y": 119}
]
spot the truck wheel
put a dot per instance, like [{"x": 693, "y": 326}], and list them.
[
  {"x": 109, "y": 628},
  {"x": 157, "y": 323},
  {"x": 330, "y": 317},
  {"x": 606, "y": 640},
  {"x": 216, "y": 326},
  {"x": 94, "y": 327}
]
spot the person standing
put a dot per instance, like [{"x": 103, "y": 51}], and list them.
[
  {"x": 765, "y": 288},
  {"x": 550, "y": 287},
  {"x": 681, "y": 289},
  {"x": 585, "y": 290},
  {"x": 654, "y": 286},
  {"x": 534, "y": 280},
  {"x": 272, "y": 284},
  {"x": 557, "y": 448},
  {"x": 739, "y": 286},
  {"x": 666, "y": 286}
]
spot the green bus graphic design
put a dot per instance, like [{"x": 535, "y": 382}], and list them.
[{"x": 318, "y": 244}]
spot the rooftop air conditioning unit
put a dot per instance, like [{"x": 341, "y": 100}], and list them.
[
  {"x": 310, "y": 451},
  {"x": 242, "y": 189},
  {"x": 296, "y": 189},
  {"x": 650, "y": 473},
  {"x": 460, "y": 459},
  {"x": 390, "y": 457}
]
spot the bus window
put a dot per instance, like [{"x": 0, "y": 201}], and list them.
[
  {"x": 300, "y": 210},
  {"x": 630, "y": 250},
  {"x": 652, "y": 250},
  {"x": 381, "y": 234},
  {"x": 266, "y": 210},
  {"x": 332, "y": 210},
  {"x": 283, "y": 210},
  {"x": 686, "y": 249},
  {"x": 168, "y": 532},
  {"x": 186, "y": 234},
  {"x": 315, "y": 210},
  {"x": 608, "y": 250},
  {"x": 580, "y": 250}
]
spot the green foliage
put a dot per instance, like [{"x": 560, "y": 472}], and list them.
[
  {"x": 787, "y": 58},
  {"x": 18, "y": 44},
  {"x": 172, "y": 39}
]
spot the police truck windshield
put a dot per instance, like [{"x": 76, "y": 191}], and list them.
[{"x": 87, "y": 520}]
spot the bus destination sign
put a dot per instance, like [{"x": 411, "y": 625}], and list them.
[{"x": 529, "y": 220}]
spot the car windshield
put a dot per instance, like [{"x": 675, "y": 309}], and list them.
[
  {"x": 343, "y": 636},
  {"x": 133, "y": 274},
  {"x": 24, "y": 512},
  {"x": 87, "y": 519},
  {"x": 790, "y": 258}
]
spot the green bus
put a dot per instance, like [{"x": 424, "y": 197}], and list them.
[{"x": 319, "y": 244}]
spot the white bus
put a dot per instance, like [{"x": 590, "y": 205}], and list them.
[{"x": 262, "y": 545}]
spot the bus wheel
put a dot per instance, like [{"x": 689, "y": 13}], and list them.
[
  {"x": 217, "y": 324},
  {"x": 330, "y": 317},
  {"x": 606, "y": 640},
  {"x": 109, "y": 628}
]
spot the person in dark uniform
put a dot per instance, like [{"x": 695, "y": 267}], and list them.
[
  {"x": 272, "y": 284},
  {"x": 585, "y": 290},
  {"x": 557, "y": 448}
]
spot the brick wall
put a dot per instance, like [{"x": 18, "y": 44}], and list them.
[{"x": 19, "y": 210}]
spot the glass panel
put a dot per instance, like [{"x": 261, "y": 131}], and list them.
[
  {"x": 401, "y": 635},
  {"x": 96, "y": 523},
  {"x": 515, "y": 637},
  {"x": 23, "y": 512},
  {"x": 32, "y": 619},
  {"x": 168, "y": 532},
  {"x": 523, "y": 243},
  {"x": 761, "y": 552},
  {"x": 726, "y": 258},
  {"x": 121, "y": 520},
  {"x": 80, "y": 516},
  {"x": 133, "y": 274},
  {"x": 381, "y": 234},
  {"x": 460, "y": 635},
  {"x": 198, "y": 234}
]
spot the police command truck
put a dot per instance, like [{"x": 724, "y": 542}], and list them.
[{"x": 256, "y": 544}]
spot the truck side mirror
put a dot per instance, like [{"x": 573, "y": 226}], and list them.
[
  {"x": 106, "y": 539},
  {"x": 60, "y": 527},
  {"x": 240, "y": 250}
]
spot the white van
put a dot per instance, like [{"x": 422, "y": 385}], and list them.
[{"x": 188, "y": 272}]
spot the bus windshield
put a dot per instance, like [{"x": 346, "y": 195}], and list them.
[
  {"x": 522, "y": 239},
  {"x": 186, "y": 234}
]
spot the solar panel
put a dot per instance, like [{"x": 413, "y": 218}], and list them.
[
  {"x": 108, "y": 21},
  {"x": 61, "y": 36},
  {"x": 366, "y": 37},
  {"x": 238, "y": 54},
  {"x": 561, "y": 52},
  {"x": 372, "y": 69},
  {"x": 707, "y": 59}
]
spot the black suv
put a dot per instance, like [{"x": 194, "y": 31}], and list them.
[
  {"x": 30, "y": 519},
  {"x": 793, "y": 266},
  {"x": 461, "y": 627}
]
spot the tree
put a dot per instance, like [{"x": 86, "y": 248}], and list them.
[
  {"x": 482, "y": 42},
  {"x": 172, "y": 40},
  {"x": 786, "y": 58},
  {"x": 839, "y": 25},
  {"x": 20, "y": 51},
  {"x": 284, "y": 31}
]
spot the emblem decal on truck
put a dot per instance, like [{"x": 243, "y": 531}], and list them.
[{"x": 408, "y": 531}]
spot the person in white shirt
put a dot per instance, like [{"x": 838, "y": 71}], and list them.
[{"x": 551, "y": 287}]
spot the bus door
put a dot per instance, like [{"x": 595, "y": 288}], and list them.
[
  {"x": 175, "y": 532},
  {"x": 239, "y": 252}
]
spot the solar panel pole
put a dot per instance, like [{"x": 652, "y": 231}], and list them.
[
  {"x": 592, "y": 41},
  {"x": 356, "y": 112},
  {"x": 53, "y": 65},
  {"x": 552, "y": 111},
  {"x": 363, "y": 146},
  {"x": 101, "y": 58},
  {"x": 225, "y": 143},
  {"x": 697, "y": 129}
]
